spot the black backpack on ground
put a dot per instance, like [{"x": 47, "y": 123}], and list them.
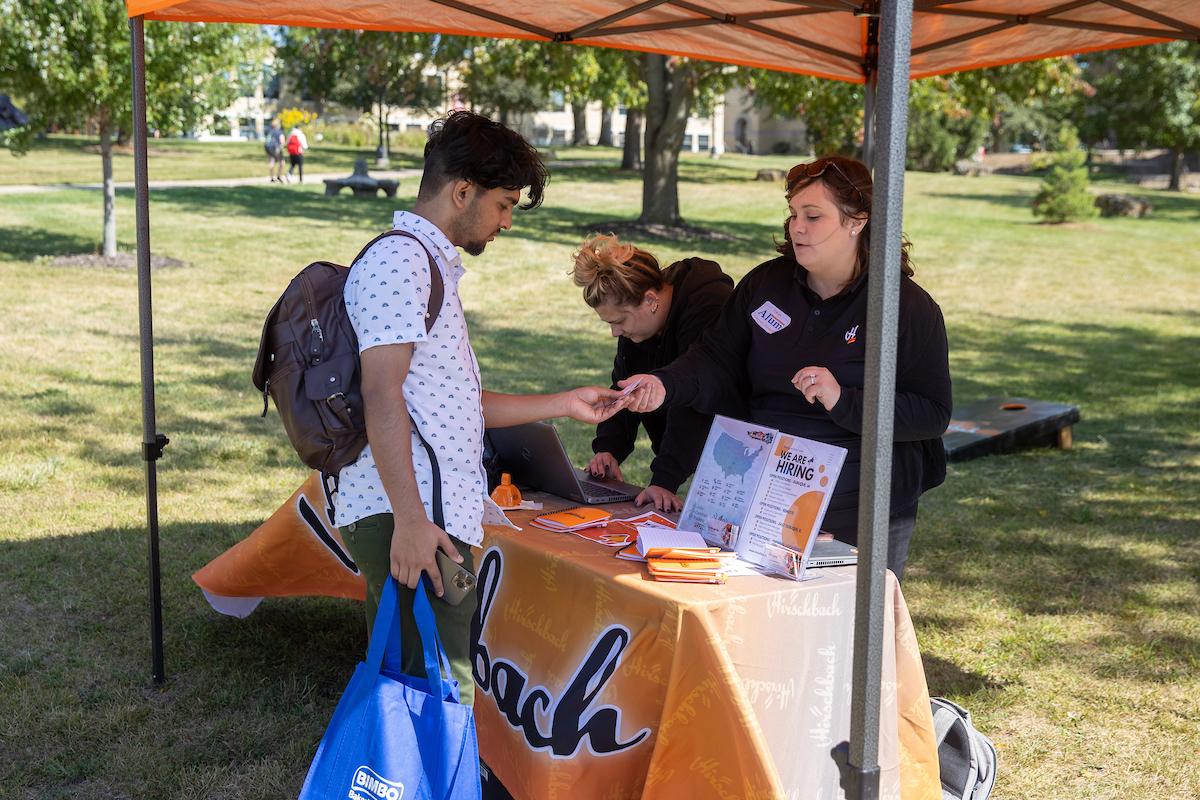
[{"x": 308, "y": 362}]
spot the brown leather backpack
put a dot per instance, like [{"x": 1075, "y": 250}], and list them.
[{"x": 308, "y": 362}]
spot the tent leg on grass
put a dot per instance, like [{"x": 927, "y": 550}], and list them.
[
  {"x": 152, "y": 441},
  {"x": 859, "y": 762}
]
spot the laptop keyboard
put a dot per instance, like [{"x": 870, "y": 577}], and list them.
[{"x": 596, "y": 491}]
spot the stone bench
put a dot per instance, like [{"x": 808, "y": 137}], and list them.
[{"x": 362, "y": 184}]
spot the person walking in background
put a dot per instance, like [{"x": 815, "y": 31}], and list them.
[
  {"x": 656, "y": 315},
  {"x": 297, "y": 144},
  {"x": 793, "y": 335},
  {"x": 273, "y": 144}
]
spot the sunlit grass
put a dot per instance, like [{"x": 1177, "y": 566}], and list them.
[{"x": 1055, "y": 593}]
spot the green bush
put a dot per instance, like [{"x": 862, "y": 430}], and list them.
[
  {"x": 360, "y": 134},
  {"x": 940, "y": 132},
  {"x": 1064, "y": 194}
]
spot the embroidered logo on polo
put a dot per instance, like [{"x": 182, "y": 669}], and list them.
[
  {"x": 852, "y": 335},
  {"x": 770, "y": 318}
]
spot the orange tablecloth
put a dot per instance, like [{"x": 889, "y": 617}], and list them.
[{"x": 596, "y": 682}]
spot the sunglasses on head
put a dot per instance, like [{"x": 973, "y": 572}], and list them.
[{"x": 815, "y": 169}]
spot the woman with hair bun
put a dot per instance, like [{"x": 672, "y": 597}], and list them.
[
  {"x": 793, "y": 335},
  {"x": 656, "y": 315}
]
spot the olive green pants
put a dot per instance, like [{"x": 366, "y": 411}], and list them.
[{"x": 370, "y": 544}]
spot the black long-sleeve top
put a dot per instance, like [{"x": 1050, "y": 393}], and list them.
[
  {"x": 677, "y": 434},
  {"x": 774, "y": 324}
]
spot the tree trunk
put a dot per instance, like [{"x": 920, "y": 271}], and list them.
[
  {"x": 670, "y": 92},
  {"x": 1176, "y": 169},
  {"x": 381, "y": 159},
  {"x": 579, "y": 137},
  {"x": 631, "y": 157},
  {"x": 606, "y": 133},
  {"x": 109, "y": 247}
]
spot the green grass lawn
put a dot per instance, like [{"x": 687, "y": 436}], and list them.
[
  {"x": 76, "y": 159},
  {"x": 1055, "y": 593}
]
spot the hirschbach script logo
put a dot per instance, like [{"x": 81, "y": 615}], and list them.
[{"x": 572, "y": 717}]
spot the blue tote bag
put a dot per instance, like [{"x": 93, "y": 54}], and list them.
[{"x": 393, "y": 736}]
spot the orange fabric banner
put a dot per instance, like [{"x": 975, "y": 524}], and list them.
[{"x": 297, "y": 551}]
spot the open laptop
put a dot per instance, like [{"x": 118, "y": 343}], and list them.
[
  {"x": 535, "y": 457},
  {"x": 831, "y": 553}
]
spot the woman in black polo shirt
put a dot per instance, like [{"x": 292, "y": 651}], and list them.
[
  {"x": 656, "y": 315},
  {"x": 792, "y": 335}
]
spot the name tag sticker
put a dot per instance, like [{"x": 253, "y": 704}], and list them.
[{"x": 770, "y": 318}]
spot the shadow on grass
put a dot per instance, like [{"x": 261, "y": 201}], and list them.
[
  {"x": 239, "y": 694},
  {"x": 548, "y": 224},
  {"x": 24, "y": 243},
  {"x": 947, "y": 678},
  {"x": 1108, "y": 528},
  {"x": 1009, "y": 199}
]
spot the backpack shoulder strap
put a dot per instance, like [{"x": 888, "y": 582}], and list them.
[{"x": 437, "y": 287}]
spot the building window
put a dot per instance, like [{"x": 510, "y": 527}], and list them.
[{"x": 703, "y": 144}]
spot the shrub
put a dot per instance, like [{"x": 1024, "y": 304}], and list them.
[
  {"x": 290, "y": 117},
  {"x": 360, "y": 134},
  {"x": 1064, "y": 194}
]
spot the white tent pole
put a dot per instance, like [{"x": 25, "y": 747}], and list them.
[
  {"x": 861, "y": 779},
  {"x": 152, "y": 442}
]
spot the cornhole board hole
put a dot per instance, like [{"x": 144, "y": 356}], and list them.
[{"x": 1004, "y": 424}]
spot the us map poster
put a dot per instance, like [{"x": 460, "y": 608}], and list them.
[
  {"x": 790, "y": 499},
  {"x": 734, "y": 456}
]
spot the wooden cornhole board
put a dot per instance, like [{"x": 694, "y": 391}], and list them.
[{"x": 1003, "y": 424}]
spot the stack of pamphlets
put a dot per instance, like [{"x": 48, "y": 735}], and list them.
[{"x": 681, "y": 556}]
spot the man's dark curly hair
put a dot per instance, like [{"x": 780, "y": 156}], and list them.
[{"x": 466, "y": 145}]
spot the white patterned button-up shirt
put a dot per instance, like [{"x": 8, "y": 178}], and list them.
[{"x": 386, "y": 295}]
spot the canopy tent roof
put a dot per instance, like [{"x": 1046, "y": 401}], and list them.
[{"x": 827, "y": 38}]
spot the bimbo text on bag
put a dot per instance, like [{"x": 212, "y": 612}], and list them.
[
  {"x": 308, "y": 362},
  {"x": 393, "y": 736},
  {"x": 967, "y": 758}
]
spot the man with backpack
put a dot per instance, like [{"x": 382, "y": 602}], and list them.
[
  {"x": 424, "y": 404},
  {"x": 297, "y": 144}
]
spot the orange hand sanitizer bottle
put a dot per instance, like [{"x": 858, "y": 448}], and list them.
[{"x": 506, "y": 495}]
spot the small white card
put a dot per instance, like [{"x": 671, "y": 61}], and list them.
[{"x": 770, "y": 318}]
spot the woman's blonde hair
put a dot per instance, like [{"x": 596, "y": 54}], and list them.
[{"x": 615, "y": 273}]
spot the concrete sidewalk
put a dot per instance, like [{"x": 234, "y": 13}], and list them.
[{"x": 312, "y": 178}]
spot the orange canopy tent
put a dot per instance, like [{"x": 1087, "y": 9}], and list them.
[
  {"x": 882, "y": 43},
  {"x": 827, "y": 38}
]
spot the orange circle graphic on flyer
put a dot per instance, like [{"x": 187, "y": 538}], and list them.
[{"x": 798, "y": 524}]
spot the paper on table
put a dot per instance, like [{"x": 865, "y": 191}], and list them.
[{"x": 655, "y": 537}]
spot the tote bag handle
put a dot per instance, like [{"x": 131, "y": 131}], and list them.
[{"x": 385, "y": 637}]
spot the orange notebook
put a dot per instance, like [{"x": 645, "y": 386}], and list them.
[{"x": 571, "y": 519}]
